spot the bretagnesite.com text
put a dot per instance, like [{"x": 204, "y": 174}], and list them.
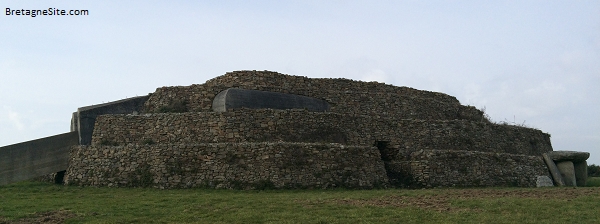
[{"x": 46, "y": 12}]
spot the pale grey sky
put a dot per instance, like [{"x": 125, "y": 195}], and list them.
[{"x": 532, "y": 62}]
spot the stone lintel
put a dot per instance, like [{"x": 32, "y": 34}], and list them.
[{"x": 573, "y": 156}]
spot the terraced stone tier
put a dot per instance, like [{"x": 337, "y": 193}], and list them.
[
  {"x": 459, "y": 168},
  {"x": 353, "y": 98},
  {"x": 227, "y": 165},
  {"x": 401, "y": 136}
]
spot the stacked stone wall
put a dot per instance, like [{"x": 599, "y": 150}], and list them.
[
  {"x": 373, "y": 135},
  {"x": 227, "y": 165},
  {"x": 459, "y": 168},
  {"x": 345, "y": 96},
  {"x": 246, "y": 125}
]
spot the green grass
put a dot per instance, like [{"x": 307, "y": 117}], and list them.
[
  {"x": 593, "y": 182},
  {"x": 136, "y": 205}
]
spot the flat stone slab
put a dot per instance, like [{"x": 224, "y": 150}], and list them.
[
  {"x": 567, "y": 171},
  {"x": 553, "y": 170},
  {"x": 255, "y": 99},
  {"x": 581, "y": 173},
  {"x": 574, "y": 156}
]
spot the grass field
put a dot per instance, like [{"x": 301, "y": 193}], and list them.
[
  {"x": 593, "y": 182},
  {"x": 29, "y": 202}
]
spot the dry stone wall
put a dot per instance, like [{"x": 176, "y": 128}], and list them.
[
  {"x": 373, "y": 135},
  {"x": 459, "y": 168},
  {"x": 267, "y": 125},
  {"x": 345, "y": 96},
  {"x": 416, "y": 153},
  {"x": 227, "y": 165}
]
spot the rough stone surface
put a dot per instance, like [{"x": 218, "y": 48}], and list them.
[
  {"x": 581, "y": 173},
  {"x": 554, "y": 172},
  {"x": 573, "y": 156},
  {"x": 228, "y": 165},
  {"x": 234, "y": 98},
  {"x": 457, "y": 168},
  {"x": 421, "y": 139},
  {"x": 543, "y": 181},
  {"x": 567, "y": 171},
  {"x": 345, "y": 96},
  {"x": 246, "y": 125}
]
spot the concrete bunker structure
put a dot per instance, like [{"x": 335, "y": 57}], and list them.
[
  {"x": 258, "y": 129},
  {"x": 234, "y": 98}
]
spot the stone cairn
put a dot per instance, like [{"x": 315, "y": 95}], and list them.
[{"x": 257, "y": 129}]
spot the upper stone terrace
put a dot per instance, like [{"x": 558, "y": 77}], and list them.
[{"x": 343, "y": 95}]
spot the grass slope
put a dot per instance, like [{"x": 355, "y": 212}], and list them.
[{"x": 38, "y": 202}]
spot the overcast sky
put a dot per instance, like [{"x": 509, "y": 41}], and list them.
[{"x": 531, "y": 62}]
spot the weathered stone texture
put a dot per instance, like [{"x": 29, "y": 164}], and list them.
[
  {"x": 573, "y": 156},
  {"x": 227, "y": 165},
  {"x": 544, "y": 181},
  {"x": 345, "y": 96},
  {"x": 581, "y": 173},
  {"x": 567, "y": 171},
  {"x": 458, "y": 168},
  {"x": 245, "y": 125},
  {"x": 372, "y": 135}
]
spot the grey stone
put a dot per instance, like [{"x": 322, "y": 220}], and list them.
[
  {"x": 254, "y": 99},
  {"x": 543, "y": 181},
  {"x": 581, "y": 173},
  {"x": 567, "y": 171},
  {"x": 558, "y": 180},
  {"x": 26, "y": 160},
  {"x": 569, "y": 155}
]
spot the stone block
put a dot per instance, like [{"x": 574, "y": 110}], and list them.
[
  {"x": 567, "y": 171},
  {"x": 543, "y": 181},
  {"x": 581, "y": 173},
  {"x": 558, "y": 180},
  {"x": 569, "y": 155}
]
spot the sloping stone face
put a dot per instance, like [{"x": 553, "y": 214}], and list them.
[{"x": 228, "y": 165}]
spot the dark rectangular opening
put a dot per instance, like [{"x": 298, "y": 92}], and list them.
[
  {"x": 384, "y": 150},
  {"x": 59, "y": 178}
]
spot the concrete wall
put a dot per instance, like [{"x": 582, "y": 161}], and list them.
[
  {"x": 35, "y": 158},
  {"x": 86, "y": 116},
  {"x": 234, "y": 98}
]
